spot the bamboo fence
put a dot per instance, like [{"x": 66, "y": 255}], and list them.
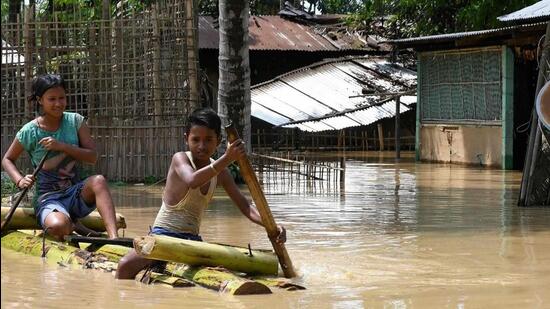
[{"x": 364, "y": 139}]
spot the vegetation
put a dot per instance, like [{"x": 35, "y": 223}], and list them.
[
  {"x": 8, "y": 187},
  {"x": 406, "y": 17}
]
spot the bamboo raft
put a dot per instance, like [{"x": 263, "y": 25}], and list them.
[{"x": 226, "y": 269}]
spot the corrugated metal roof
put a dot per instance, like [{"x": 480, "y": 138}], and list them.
[
  {"x": 329, "y": 95},
  {"x": 537, "y": 11},
  {"x": 460, "y": 35},
  {"x": 276, "y": 33}
]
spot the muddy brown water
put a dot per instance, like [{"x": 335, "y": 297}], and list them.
[{"x": 397, "y": 235}]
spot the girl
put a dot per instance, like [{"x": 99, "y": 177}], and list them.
[{"x": 61, "y": 198}]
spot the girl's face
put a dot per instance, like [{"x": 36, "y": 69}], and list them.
[
  {"x": 202, "y": 142},
  {"x": 53, "y": 101}
]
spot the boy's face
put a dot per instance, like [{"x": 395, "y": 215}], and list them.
[{"x": 202, "y": 142}]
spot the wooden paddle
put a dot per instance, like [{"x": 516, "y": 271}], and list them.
[
  {"x": 261, "y": 204},
  {"x": 20, "y": 197}
]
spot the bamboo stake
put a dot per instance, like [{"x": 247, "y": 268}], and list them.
[{"x": 261, "y": 203}]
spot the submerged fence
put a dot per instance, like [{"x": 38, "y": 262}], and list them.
[
  {"x": 126, "y": 72},
  {"x": 298, "y": 174}
]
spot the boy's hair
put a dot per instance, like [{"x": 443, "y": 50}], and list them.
[
  {"x": 42, "y": 83},
  {"x": 205, "y": 117}
]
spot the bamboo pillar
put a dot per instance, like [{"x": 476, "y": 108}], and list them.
[
  {"x": 381, "y": 136},
  {"x": 157, "y": 96},
  {"x": 28, "y": 39},
  {"x": 192, "y": 53},
  {"x": 397, "y": 128}
]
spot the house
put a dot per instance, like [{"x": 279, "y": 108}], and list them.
[
  {"x": 278, "y": 45},
  {"x": 476, "y": 91},
  {"x": 332, "y": 95}
]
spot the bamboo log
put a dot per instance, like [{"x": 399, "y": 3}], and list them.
[
  {"x": 157, "y": 278},
  {"x": 55, "y": 252},
  {"x": 218, "y": 279},
  {"x": 25, "y": 219},
  {"x": 197, "y": 253},
  {"x": 282, "y": 283},
  {"x": 261, "y": 203}
]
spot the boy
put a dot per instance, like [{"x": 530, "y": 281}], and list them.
[{"x": 190, "y": 183}]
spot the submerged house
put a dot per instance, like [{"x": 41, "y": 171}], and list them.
[
  {"x": 335, "y": 94},
  {"x": 476, "y": 92}
]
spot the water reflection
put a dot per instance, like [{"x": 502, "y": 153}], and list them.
[{"x": 397, "y": 235}]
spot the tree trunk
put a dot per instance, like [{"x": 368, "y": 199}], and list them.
[
  {"x": 196, "y": 253},
  {"x": 234, "y": 68},
  {"x": 24, "y": 219}
]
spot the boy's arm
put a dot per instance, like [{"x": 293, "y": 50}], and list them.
[
  {"x": 195, "y": 179},
  {"x": 243, "y": 204},
  {"x": 238, "y": 198}
]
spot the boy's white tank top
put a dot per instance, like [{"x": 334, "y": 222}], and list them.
[{"x": 186, "y": 215}]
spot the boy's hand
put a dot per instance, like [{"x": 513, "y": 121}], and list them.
[
  {"x": 281, "y": 234},
  {"x": 235, "y": 150}
]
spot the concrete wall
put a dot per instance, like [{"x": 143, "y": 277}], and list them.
[{"x": 466, "y": 144}]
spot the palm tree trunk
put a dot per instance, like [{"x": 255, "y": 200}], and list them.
[{"x": 234, "y": 67}]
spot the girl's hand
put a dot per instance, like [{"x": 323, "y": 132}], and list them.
[
  {"x": 25, "y": 181},
  {"x": 51, "y": 143},
  {"x": 235, "y": 150}
]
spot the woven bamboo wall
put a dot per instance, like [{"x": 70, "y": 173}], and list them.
[
  {"x": 127, "y": 75},
  {"x": 462, "y": 85}
]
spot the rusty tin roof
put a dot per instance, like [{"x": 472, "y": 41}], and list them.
[{"x": 276, "y": 33}]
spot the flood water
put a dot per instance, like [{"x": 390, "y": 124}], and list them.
[{"x": 406, "y": 235}]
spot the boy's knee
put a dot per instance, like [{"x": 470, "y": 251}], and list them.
[
  {"x": 123, "y": 271},
  {"x": 98, "y": 181}
]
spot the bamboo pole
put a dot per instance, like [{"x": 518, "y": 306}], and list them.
[
  {"x": 263, "y": 208},
  {"x": 197, "y": 253},
  {"x": 192, "y": 52},
  {"x": 380, "y": 137},
  {"x": 25, "y": 219},
  {"x": 397, "y": 128}
]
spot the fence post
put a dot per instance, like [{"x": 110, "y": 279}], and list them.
[
  {"x": 381, "y": 136},
  {"x": 29, "y": 40},
  {"x": 397, "y": 128}
]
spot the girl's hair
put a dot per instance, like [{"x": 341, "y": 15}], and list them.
[
  {"x": 206, "y": 117},
  {"x": 42, "y": 83}
]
